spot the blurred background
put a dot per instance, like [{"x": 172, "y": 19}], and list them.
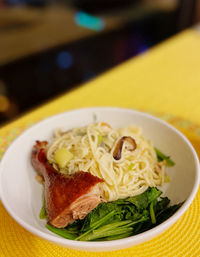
[{"x": 48, "y": 47}]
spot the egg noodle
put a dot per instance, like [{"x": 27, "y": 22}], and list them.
[{"x": 92, "y": 148}]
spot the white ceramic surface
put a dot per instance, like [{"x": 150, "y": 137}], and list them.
[{"x": 22, "y": 195}]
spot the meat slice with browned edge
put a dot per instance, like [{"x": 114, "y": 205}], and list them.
[{"x": 68, "y": 198}]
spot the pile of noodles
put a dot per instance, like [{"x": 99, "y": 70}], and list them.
[{"x": 92, "y": 147}]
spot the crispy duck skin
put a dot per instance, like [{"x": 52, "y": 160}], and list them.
[{"x": 67, "y": 197}]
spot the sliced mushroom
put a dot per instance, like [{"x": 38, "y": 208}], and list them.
[{"x": 130, "y": 145}]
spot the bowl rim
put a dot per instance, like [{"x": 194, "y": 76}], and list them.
[{"x": 120, "y": 243}]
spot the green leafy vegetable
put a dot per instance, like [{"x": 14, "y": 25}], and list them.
[
  {"x": 61, "y": 232},
  {"x": 120, "y": 218},
  {"x": 163, "y": 157},
  {"x": 109, "y": 238},
  {"x": 112, "y": 229},
  {"x": 97, "y": 224},
  {"x": 167, "y": 212},
  {"x": 43, "y": 213},
  {"x": 152, "y": 213},
  {"x": 142, "y": 201}
]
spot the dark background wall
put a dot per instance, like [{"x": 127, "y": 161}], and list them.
[{"x": 112, "y": 31}]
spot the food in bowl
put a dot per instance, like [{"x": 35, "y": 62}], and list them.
[
  {"x": 22, "y": 197},
  {"x": 101, "y": 183}
]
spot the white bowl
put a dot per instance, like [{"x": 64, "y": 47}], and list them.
[{"x": 21, "y": 194}]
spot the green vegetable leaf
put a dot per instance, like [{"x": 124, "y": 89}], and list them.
[
  {"x": 152, "y": 213},
  {"x": 99, "y": 212},
  {"x": 116, "y": 237},
  {"x": 112, "y": 229},
  {"x": 168, "y": 212},
  {"x": 97, "y": 224},
  {"x": 95, "y": 234},
  {"x": 61, "y": 232},
  {"x": 162, "y": 205},
  {"x": 163, "y": 157},
  {"x": 120, "y": 218},
  {"x": 43, "y": 213},
  {"x": 143, "y": 200}
]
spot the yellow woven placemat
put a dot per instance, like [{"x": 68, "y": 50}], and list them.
[{"x": 182, "y": 239}]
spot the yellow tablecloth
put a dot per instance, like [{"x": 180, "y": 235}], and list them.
[{"x": 165, "y": 81}]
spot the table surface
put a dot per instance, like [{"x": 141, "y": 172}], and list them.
[{"x": 165, "y": 80}]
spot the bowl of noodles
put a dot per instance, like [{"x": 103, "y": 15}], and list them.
[{"x": 144, "y": 174}]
